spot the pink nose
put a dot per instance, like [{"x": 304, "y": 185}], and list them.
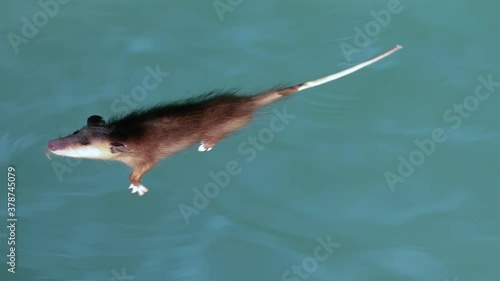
[{"x": 54, "y": 145}]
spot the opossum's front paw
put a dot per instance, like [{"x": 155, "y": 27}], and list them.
[
  {"x": 140, "y": 189},
  {"x": 204, "y": 147}
]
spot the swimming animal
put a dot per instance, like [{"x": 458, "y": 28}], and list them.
[{"x": 143, "y": 137}]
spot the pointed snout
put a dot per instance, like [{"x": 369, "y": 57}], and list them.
[
  {"x": 51, "y": 146},
  {"x": 55, "y": 145}
]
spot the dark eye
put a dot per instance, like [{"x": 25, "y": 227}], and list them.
[
  {"x": 76, "y": 132},
  {"x": 84, "y": 141}
]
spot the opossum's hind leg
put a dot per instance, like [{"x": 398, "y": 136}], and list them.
[
  {"x": 135, "y": 178},
  {"x": 218, "y": 133},
  {"x": 208, "y": 143}
]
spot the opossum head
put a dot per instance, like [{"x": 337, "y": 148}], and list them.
[{"x": 92, "y": 141}]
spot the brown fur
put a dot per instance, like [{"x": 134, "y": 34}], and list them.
[
  {"x": 142, "y": 138},
  {"x": 170, "y": 129}
]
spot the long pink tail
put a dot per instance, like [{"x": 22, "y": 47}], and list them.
[{"x": 269, "y": 97}]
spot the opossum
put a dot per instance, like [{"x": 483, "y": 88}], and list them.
[{"x": 143, "y": 137}]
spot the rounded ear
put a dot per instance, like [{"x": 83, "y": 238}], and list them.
[
  {"x": 117, "y": 147},
  {"x": 95, "y": 121}
]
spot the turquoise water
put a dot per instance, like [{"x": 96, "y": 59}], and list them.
[{"x": 388, "y": 174}]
